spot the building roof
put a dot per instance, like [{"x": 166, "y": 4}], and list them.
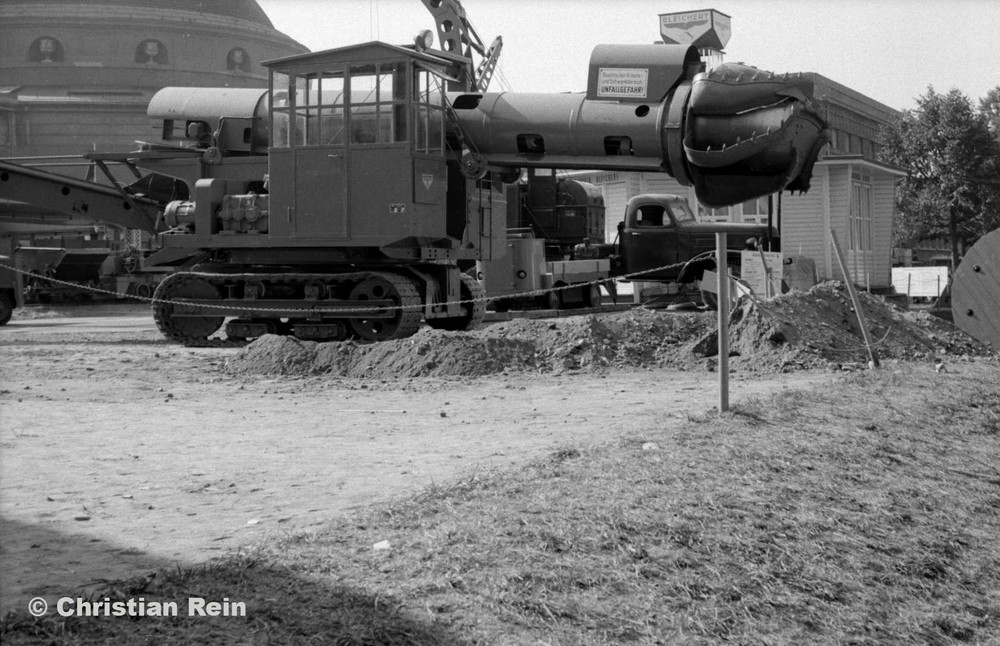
[
  {"x": 826, "y": 89},
  {"x": 247, "y": 10},
  {"x": 861, "y": 160}
]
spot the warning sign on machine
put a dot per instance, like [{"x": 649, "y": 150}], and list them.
[{"x": 620, "y": 82}]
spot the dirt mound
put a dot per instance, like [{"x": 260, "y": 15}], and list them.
[
  {"x": 820, "y": 326},
  {"x": 810, "y": 329},
  {"x": 620, "y": 340}
]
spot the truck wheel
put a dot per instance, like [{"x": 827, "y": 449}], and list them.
[
  {"x": 592, "y": 295},
  {"x": 6, "y": 308}
]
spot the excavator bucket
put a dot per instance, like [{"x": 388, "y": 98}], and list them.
[{"x": 751, "y": 133}]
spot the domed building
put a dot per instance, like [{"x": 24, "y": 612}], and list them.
[{"x": 77, "y": 76}]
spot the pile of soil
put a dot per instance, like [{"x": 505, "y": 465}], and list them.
[
  {"x": 820, "y": 327},
  {"x": 629, "y": 339},
  {"x": 810, "y": 329}
]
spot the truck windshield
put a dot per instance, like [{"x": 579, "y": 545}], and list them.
[{"x": 681, "y": 212}]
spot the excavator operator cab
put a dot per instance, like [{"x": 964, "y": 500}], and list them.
[{"x": 357, "y": 148}]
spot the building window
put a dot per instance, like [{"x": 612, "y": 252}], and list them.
[
  {"x": 861, "y": 213},
  {"x": 755, "y": 211},
  {"x": 707, "y": 214},
  {"x": 46, "y": 50},
  {"x": 238, "y": 60},
  {"x": 151, "y": 52}
]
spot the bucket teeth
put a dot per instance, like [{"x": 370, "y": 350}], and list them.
[{"x": 742, "y": 117}]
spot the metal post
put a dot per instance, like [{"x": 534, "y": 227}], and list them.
[{"x": 723, "y": 336}]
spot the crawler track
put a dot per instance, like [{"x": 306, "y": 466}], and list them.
[{"x": 372, "y": 306}]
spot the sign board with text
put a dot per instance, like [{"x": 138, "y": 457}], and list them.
[{"x": 707, "y": 28}]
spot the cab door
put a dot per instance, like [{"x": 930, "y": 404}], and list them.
[
  {"x": 320, "y": 193},
  {"x": 308, "y": 156},
  {"x": 321, "y": 160},
  {"x": 650, "y": 241}
]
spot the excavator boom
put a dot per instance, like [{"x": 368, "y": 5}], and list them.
[
  {"x": 59, "y": 199},
  {"x": 458, "y": 36}
]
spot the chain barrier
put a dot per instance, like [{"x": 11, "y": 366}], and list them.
[
  {"x": 485, "y": 299},
  {"x": 354, "y": 310}
]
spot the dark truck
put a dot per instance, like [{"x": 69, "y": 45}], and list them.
[
  {"x": 660, "y": 230},
  {"x": 659, "y": 241}
]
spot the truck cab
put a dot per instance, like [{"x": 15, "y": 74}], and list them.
[{"x": 661, "y": 233}]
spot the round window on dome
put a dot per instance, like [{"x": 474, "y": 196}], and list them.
[
  {"x": 238, "y": 60},
  {"x": 151, "y": 52},
  {"x": 46, "y": 50}
]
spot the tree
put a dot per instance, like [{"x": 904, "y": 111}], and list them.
[
  {"x": 989, "y": 106},
  {"x": 951, "y": 159}
]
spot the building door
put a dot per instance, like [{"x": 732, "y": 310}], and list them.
[{"x": 860, "y": 248}]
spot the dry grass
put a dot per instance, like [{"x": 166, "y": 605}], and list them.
[{"x": 864, "y": 513}]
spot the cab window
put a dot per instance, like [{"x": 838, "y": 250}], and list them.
[{"x": 650, "y": 215}]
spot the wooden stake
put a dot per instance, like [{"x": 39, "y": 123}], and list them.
[
  {"x": 872, "y": 357},
  {"x": 768, "y": 288}
]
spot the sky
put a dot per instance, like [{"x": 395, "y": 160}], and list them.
[{"x": 888, "y": 50}]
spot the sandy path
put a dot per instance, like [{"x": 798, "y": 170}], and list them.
[{"x": 120, "y": 453}]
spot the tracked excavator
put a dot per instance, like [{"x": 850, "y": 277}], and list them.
[{"x": 348, "y": 199}]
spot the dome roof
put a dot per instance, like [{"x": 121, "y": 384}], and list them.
[{"x": 247, "y": 10}]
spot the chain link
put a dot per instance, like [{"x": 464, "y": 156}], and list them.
[{"x": 234, "y": 308}]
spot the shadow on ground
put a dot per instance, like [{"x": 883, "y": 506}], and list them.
[{"x": 266, "y": 604}]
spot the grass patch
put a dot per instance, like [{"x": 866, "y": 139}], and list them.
[{"x": 863, "y": 513}]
